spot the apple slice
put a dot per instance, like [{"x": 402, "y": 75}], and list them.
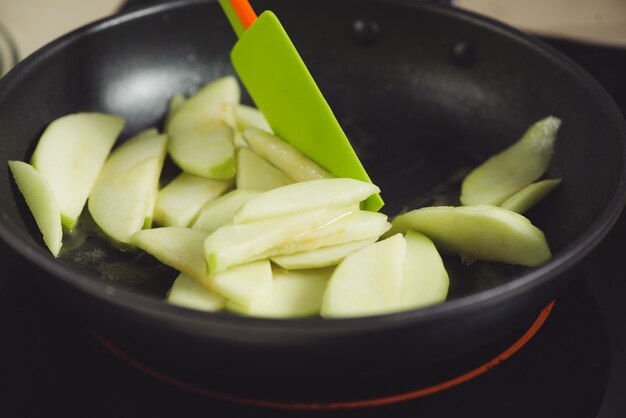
[
  {"x": 482, "y": 232},
  {"x": 355, "y": 226},
  {"x": 367, "y": 282},
  {"x": 232, "y": 121},
  {"x": 238, "y": 244},
  {"x": 505, "y": 173},
  {"x": 175, "y": 103},
  {"x": 181, "y": 200},
  {"x": 206, "y": 150},
  {"x": 530, "y": 195},
  {"x": 41, "y": 202},
  {"x": 182, "y": 249},
  {"x": 245, "y": 284},
  {"x": 254, "y": 173},
  {"x": 122, "y": 199},
  {"x": 219, "y": 212},
  {"x": 308, "y": 195},
  {"x": 216, "y": 101},
  {"x": 284, "y": 156},
  {"x": 320, "y": 257},
  {"x": 150, "y": 211},
  {"x": 71, "y": 153},
  {"x": 227, "y": 115},
  {"x": 426, "y": 280},
  {"x": 188, "y": 293},
  {"x": 148, "y": 132},
  {"x": 250, "y": 117},
  {"x": 177, "y": 247},
  {"x": 293, "y": 294}
]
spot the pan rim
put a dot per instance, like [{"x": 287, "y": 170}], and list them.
[{"x": 133, "y": 301}]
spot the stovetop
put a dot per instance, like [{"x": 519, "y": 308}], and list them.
[{"x": 575, "y": 366}]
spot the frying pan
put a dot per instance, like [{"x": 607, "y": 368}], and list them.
[{"x": 422, "y": 91}]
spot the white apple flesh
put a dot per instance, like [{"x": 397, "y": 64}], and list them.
[
  {"x": 238, "y": 244},
  {"x": 367, "y": 282},
  {"x": 482, "y": 232},
  {"x": 293, "y": 294},
  {"x": 122, "y": 200},
  {"x": 254, "y": 173},
  {"x": 177, "y": 247},
  {"x": 180, "y": 201},
  {"x": 355, "y": 226},
  {"x": 308, "y": 195},
  {"x": 517, "y": 166},
  {"x": 41, "y": 202},
  {"x": 206, "y": 150},
  {"x": 245, "y": 284},
  {"x": 250, "y": 117},
  {"x": 190, "y": 294},
  {"x": 216, "y": 101},
  {"x": 284, "y": 156},
  {"x": 182, "y": 249},
  {"x": 426, "y": 280},
  {"x": 70, "y": 155},
  {"x": 320, "y": 257},
  {"x": 175, "y": 103},
  {"x": 530, "y": 195},
  {"x": 219, "y": 212}
]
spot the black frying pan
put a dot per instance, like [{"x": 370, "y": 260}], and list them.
[{"x": 422, "y": 93}]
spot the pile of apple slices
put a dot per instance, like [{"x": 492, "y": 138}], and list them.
[
  {"x": 277, "y": 253},
  {"x": 252, "y": 225},
  {"x": 510, "y": 179},
  {"x": 255, "y": 227},
  {"x": 65, "y": 166},
  {"x": 489, "y": 225}
]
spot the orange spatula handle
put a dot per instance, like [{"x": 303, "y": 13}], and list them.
[{"x": 244, "y": 11}]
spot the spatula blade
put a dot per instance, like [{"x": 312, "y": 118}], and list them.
[{"x": 282, "y": 87}]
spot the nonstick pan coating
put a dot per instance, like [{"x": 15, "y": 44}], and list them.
[{"x": 424, "y": 92}]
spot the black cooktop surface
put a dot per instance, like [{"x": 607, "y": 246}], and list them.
[{"x": 574, "y": 366}]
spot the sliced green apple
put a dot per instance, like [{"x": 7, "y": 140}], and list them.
[
  {"x": 233, "y": 244},
  {"x": 219, "y": 212},
  {"x": 175, "y": 103},
  {"x": 122, "y": 199},
  {"x": 181, "y": 200},
  {"x": 182, "y": 249},
  {"x": 482, "y": 232},
  {"x": 244, "y": 284},
  {"x": 367, "y": 282},
  {"x": 150, "y": 212},
  {"x": 206, "y": 150},
  {"x": 250, "y": 117},
  {"x": 293, "y": 294},
  {"x": 238, "y": 139},
  {"x": 426, "y": 280},
  {"x": 284, "y": 156},
  {"x": 254, "y": 173},
  {"x": 320, "y": 257},
  {"x": 70, "y": 155},
  {"x": 177, "y": 247},
  {"x": 189, "y": 293},
  {"x": 355, "y": 226},
  {"x": 530, "y": 195},
  {"x": 216, "y": 101},
  {"x": 41, "y": 202},
  {"x": 507, "y": 172},
  {"x": 307, "y": 195}
]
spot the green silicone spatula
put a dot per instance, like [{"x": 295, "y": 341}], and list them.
[{"x": 281, "y": 86}]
